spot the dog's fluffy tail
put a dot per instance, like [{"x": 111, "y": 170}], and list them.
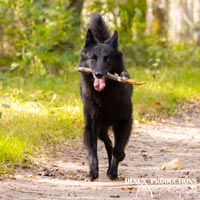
[{"x": 99, "y": 27}]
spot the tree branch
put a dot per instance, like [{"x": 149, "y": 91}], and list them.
[{"x": 114, "y": 77}]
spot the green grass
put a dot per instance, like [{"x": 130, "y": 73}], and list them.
[
  {"x": 13, "y": 150},
  {"x": 36, "y": 111},
  {"x": 165, "y": 89}
]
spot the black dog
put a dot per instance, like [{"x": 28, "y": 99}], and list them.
[{"x": 107, "y": 103}]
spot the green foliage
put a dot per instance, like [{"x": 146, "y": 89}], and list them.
[
  {"x": 139, "y": 48},
  {"x": 128, "y": 17},
  {"x": 153, "y": 52},
  {"x": 38, "y": 35},
  {"x": 41, "y": 37}
]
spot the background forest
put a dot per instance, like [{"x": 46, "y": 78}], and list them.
[
  {"x": 42, "y": 37},
  {"x": 40, "y": 42}
]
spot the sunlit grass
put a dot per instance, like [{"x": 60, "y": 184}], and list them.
[
  {"x": 34, "y": 111},
  {"x": 13, "y": 149},
  {"x": 165, "y": 89},
  {"x": 37, "y": 110}
]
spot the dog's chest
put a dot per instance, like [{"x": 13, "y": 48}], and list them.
[{"x": 114, "y": 105}]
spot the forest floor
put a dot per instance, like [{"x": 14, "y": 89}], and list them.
[{"x": 149, "y": 170}]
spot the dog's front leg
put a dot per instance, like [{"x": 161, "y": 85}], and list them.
[{"x": 90, "y": 140}]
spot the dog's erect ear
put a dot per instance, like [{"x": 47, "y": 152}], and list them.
[
  {"x": 90, "y": 40},
  {"x": 113, "y": 40}
]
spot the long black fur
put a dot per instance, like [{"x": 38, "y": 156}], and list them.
[
  {"x": 110, "y": 107},
  {"x": 99, "y": 27}
]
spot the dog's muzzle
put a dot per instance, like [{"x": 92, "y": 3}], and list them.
[{"x": 99, "y": 82}]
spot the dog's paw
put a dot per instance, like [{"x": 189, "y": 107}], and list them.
[
  {"x": 92, "y": 177},
  {"x": 112, "y": 175}
]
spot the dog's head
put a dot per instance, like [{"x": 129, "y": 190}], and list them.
[{"x": 100, "y": 57}]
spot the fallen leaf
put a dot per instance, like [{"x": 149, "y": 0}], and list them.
[
  {"x": 173, "y": 164},
  {"x": 129, "y": 188},
  {"x": 163, "y": 149},
  {"x": 157, "y": 103},
  {"x": 151, "y": 165},
  {"x": 82, "y": 163},
  {"x": 185, "y": 175},
  {"x": 174, "y": 146}
]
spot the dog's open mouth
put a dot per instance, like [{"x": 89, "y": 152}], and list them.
[{"x": 99, "y": 83}]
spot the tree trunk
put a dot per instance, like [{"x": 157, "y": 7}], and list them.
[
  {"x": 156, "y": 17},
  {"x": 184, "y": 21},
  {"x": 175, "y": 21},
  {"x": 196, "y": 21},
  {"x": 78, "y": 6},
  {"x": 149, "y": 17}
]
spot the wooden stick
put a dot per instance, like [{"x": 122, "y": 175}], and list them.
[{"x": 114, "y": 77}]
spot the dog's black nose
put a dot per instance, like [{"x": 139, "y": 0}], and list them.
[{"x": 99, "y": 75}]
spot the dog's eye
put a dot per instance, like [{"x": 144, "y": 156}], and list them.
[
  {"x": 107, "y": 58},
  {"x": 93, "y": 57}
]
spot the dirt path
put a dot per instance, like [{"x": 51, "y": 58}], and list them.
[{"x": 62, "y": 175}]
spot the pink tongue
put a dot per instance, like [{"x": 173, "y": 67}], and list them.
[{"x": 99, "y": 84}]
